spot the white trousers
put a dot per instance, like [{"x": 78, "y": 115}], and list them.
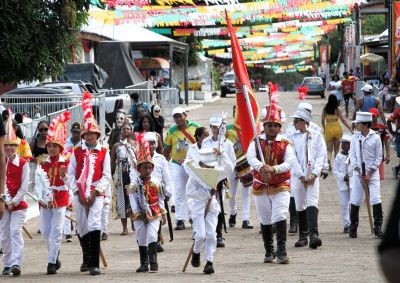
[
  {"x": 11, "y": 237},
  {"x": 235, "y": 186},
  {"x": 51, "y": 226},
  {"x": 272, "y": 208},
  {"x": 344, "y": 199},
  {"x": 104, "y": 218},
  {"x": 205, "y": 236},
  {"x": 179, "y": 179},
  {"x": 305, "y": 197},
  {"x": 91, "y": 220},
  {"x": 67, "y": 223},
  {"x": 146, "y": 233},
  {"x": 357, "y": 189}
]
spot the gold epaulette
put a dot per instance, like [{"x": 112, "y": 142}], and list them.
[
  {"x": 67, "y": 156},
  {"x": 42, "y": 158}
]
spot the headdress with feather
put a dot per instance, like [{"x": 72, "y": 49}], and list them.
[
  {"x": 89, "y": 124},
  {"x": 58, "y": 129}
]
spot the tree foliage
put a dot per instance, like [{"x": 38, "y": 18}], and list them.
[
  {"x": 373, "y": 24},
  {"x": 37, "y": 37}
]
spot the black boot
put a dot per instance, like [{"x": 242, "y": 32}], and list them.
[
  {"x": 378, "y": 219},
  {"x": 153, "y": 256},
  {"x": 232, "y": 220},
  {"x": 144, "y": 259},
  {"x": 195, "y": 259},
  {"x": 302, "y": 220},
  {"x": 281, "y": 255},
  {"x": 51, "y": 269},
  {"x": 354, "y": 209},
  {"x": 208, "y": 269},
  {"x": 85, "y": 259},
  {"x": 160, "y": 248},
  {"x": 312, "y": 219},
  {"x": 58, "y": 262},
  {"x": 293, "y": 216},
  {"x": 266, "y": 231},
  {"x": 220, "y": 240},
  {"x": 94, "y": 252}
]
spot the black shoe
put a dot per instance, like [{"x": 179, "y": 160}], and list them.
[
  {"x": 208, "y": 269},
  {"x": 220, "y": 242},
  {"x": 84, "y": 268},
  {"x": 195, "y": 259},
  {"x": 346, "y": 230},
  {"x": 68, "y": 238},
  {"x": 144, "y": 259},
  {"x": 6, "y": 271},
  {"x": 232, "y": 220},
  {"x": 152, "y": 251},
  {"x": 160, "y": 249},
  {"x": 246, "y": 225},
  {"x": 172, "y": 208},
  {"x": 266, "y": 231},
  {"x": 16, "y": 270},
  {"x": 94, "y": 271},
  {"x": 104, "y": 237},
  {"x": 180, "y": 225},
  {"x": 51, "y": 269},
  {"x": 302, "y": 221}
]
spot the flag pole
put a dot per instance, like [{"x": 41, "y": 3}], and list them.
[{"x": 253, "y": 122}]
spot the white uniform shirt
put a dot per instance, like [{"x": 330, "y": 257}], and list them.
[
  {"x": 256, "y": 163},
  {"x": 226, "y": 145},
  {"x": 161, "y": 173},
  {"x": 69, "y": 144},
  {"x": 290, "y": 130},
  {"x": 20, "y": 195},
  {"x": 341, "y": 168},
  {"x": 371, "y": 148},
  {"x": 193, "y": 152},
  {"x": 317, "y": 153}
]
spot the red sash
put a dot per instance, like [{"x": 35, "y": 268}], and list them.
[{"x": 188, "y": 136}]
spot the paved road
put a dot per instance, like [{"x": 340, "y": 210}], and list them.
[{"x": 340, "y": 259}]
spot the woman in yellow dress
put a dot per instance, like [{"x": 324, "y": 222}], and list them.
[{"x": 332, "y": 129}]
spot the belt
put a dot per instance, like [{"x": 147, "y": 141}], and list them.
[{"x": 60, "y": 188}]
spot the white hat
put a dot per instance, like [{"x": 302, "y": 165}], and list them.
[
  {"x": 178, "y": 110},
  {"x": 156, "y": 108},
  {"x": 362, "y": 117},
  {"x": 150, "y": 136},
  {"x": 302, "y": 114},
  {"x": 367, "y": 88},
  {"x": 216, "y": 120},
  {"x": 208, "y": 157},
  {"x": 346, "y": 138},
  {"x": 305, "y": 105}
]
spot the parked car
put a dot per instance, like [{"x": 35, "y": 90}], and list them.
[
  {"x": 228, "y": 84},
  {"x": 315, "y": 86}
]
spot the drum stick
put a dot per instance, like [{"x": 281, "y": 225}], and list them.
[{"x": 27, "y": 232}]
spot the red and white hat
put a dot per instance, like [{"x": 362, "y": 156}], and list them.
[
  {"x": 58, "y": 129},
  {"x": 11, "y": 137},
  {"x": 89, "y": 124},
  {"x": 143, "y": 150}
]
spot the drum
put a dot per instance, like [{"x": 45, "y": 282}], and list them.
[{"x": 243, "y": 171}]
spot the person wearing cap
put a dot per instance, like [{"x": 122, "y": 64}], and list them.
[
  {"x": 394, "y": 118},
  {"x": 239, "y": 183},
  {"x": 342, "y": 174},
  {"x": 332, "y": 129},
  {"x": 75, "y": 139},
  {"x": 365, "y": 147},
  {"x": 198, "y": 195},
  {"x": 147, "y": 203},
  {"x": 368, "y": 101},
  {"x": 53, "y": 167},
  {"x": 223, "y": 144},
  {"x": 89, "y": 176},
  {"x": 160, "y": 173},
  {"x": 123, "y": 161},
  {"x": 291, "y": 129},
  {"x": 385, "y": 137},
  {"x": 310, "y": 151},
  {"x": 271, "y": 187},
  {"x": 348, "y": 90},
  {"x": 16, "y": 186},
  {"x": 179, "y": 137},
  {"x": 158, "y": 120}
]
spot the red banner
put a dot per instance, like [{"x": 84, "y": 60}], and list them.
[
  {"x": 242, "y": 122},
  {"x": 395, "y": 38}
]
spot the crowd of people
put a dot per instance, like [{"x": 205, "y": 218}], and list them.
[{"x": 144, "y": 175}]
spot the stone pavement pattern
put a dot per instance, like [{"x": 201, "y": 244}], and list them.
[{"x": 340, "y": 259}]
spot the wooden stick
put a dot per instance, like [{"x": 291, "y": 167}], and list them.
[
  {"x": 191, "y": 249},
  {"x": 367, "y": 199},
  {"x": 27, "y": 232},
  {"x": 161, "y": 238}
]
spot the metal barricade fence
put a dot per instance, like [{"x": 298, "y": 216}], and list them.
[{"x": 50, "y": 107}]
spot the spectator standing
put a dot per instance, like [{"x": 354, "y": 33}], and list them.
[
  {"x": 385, "y": 87},
  {"x": 138, "y": 108},
  {"x": 158, "y": 120},
  {"x": 38, "y": 143},
  {"x": 368, "y": 101},
  {"x": 335, "y": 86},
  {"x": 75, "y": 139},
  {"x": 146, "y": 124},
  {"x": 357, "y": 73}
]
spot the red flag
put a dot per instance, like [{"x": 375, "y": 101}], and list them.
[{"x": 242, "y": 122}]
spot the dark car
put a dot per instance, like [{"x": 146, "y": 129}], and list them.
[
  {"x": 315, "y": 86},
  {"x": 228, "y": 84}
]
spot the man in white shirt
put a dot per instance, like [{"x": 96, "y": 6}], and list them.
[{"x": 365, "y": 158}]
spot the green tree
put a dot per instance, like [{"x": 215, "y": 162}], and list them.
[
  {"x": 373, "y": 24},
  {"x": 37, "y": 37}
]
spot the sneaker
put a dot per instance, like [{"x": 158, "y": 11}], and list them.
[
  {"x": 16, "y": 270},
  {"x": 68, "y": 238},
  {"x": 180, "y": 225}
]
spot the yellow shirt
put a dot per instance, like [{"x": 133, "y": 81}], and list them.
[
  {"x": 178, "y": 142},
  {"x": 233, "y": 137},
  {"x": 23, "y": 150}
]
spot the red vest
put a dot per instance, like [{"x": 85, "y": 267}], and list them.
[
  {"x": 274, "y": 154},
  {"x": 14, "y": 181},
  {"x": 98, "y": 165},
  {"x": 151, "y": 191},
  {"x": 52, "y": 168}
]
